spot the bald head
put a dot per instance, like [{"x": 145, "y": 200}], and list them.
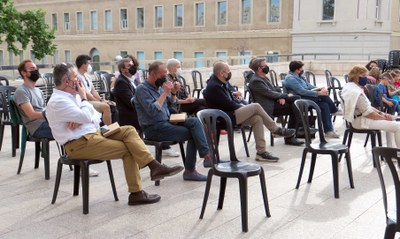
[{"x": 221, "y": 71}]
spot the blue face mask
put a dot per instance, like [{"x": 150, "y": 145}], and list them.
[{"x": 362, "y": 80}]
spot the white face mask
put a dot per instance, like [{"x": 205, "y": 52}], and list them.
[
  {"x": 179, "y": 71},
  {"x": 89, "y": 69}
]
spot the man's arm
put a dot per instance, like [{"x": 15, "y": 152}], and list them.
[
  {"x": 28, "y": 110},
  {"x": 123, "y": 93},
  {"x": 261, "y": 89},
  {"x": 293, "y": 85}
]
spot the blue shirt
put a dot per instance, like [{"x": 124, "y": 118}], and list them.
[
  {"x": 149, "y": 111},
  {"x": 382, "y": 90},
  {"x": 298, "y": 86}
]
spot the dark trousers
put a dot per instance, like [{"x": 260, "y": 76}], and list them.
[
  {"x": 327, "y": 108},
  {"x": 193, "y": 108},
  {"x": 287, "y": 109}
]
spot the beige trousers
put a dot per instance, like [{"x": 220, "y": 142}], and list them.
[
  {"x": 254, "y": 115},
  {"x": 125, "y": 144}
]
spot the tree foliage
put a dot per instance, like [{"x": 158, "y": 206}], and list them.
[{"x": 18, "y": 29}]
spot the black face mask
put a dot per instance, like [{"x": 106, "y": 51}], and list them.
[
  {"x": 229, "y": 76},
  {"x": 132, "y": 70},
  {"x": 301, "y": 73},
  {"x": 34, "y": 75},
  {"x": 265, "y": 69},
  {"x": 160, "y": 81}
]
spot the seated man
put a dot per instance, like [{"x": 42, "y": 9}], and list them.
[
  {"x": 185, "y": 102},
  {"x": 295, "y": 84},
  {"x": 151, "y": 104},
  {"x": 83, "y": 64},
  {"x": 273, "y": 101},
  {"x": 219, "y": 97},
  {"x": 76, "y": 126}
]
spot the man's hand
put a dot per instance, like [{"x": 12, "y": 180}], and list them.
[
  {"x": 281, "y": 101},
  {"x": 323, "y": 92},
  {"x": 238, "y": 95},
  {"x": 190, "y": 99},
  {"x": 167, "y": 87},
  {"x": 80, "y": 88},
  {"x": 72, "y": 125}
]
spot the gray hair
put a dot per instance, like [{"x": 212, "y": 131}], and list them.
[
  {"x": 172, "y": 63},
  {"x": 60, "y": 71}
]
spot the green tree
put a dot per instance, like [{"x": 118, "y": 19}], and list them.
[{"x": 18, "y": 29}]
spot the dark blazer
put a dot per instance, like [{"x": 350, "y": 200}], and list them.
[
  {"x": 265, "y": 93},
  {"x": 123, "y": 92}
]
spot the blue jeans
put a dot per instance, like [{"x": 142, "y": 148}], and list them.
[
  {"x": 327, "y": 108},
  {"x": 191, "y": 131},
  {"x": 43, "y": 131}
]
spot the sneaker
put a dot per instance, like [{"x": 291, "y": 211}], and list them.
[
  {"x": 287, "y": 133},
  {"x": 267, "y": 157},
  {"x": 332, "y": 134},
  {"x": 338, "y": 113},
  {"x": 193, "y": 175},
  {"x": 170, "y": 152},
  {"x": 93, "y": 173}
]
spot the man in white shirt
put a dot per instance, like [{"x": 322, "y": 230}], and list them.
[{"x": 75, "y": 124}]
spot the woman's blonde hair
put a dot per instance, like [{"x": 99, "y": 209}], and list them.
[
  {"x": 356, "y": 71},
  {"x": 375, "y": 72}
]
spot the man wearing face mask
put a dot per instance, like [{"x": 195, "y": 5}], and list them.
[
  {"x": 84, "y": 67},
  {"x": 273, "y": 101},
  {"x": 124, "y": 90},
  {"x": 218, "y": 96},
  {"x": 295, "y": 84},
  {"x": 151, "y": 104},
  {"x": 186, "y": 103}
]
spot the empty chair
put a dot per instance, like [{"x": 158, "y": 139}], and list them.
[
  {"x": 322, "y": 147},
  {"x": 234, "y": 168},
  {"x": 335, "y": 87},
  {"x": 5, "y": 118},
  {"x": 4, "y": 81},
  {"x": 197, "y": 82},
  {"x": 392, "y": 214}
]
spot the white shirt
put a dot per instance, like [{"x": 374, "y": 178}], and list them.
[
  {"x": 63, "y": 108},
  {"x": 86, "y": 81}
]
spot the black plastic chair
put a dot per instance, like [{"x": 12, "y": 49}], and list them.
[
  {"x": 392, "y": 215},
  {"x": 246, "y": 77},
  {"x": 25, "y": 136},
  {"x": 310, "y": 77},
  {"x": 4, "y": 81},
  {"x": 81, "y": 167},
  {"x": 328, "y": 75},
  {"x": 335, "y": 87},
  {"x": 5, "y": 118},
  {"x": 323, "y": 147},
  {"x": 197, "y": 82},
  {"x": 282, "y": 76},
  {"x": 185, "y": 85},
  {"x": 210, "y": 119},
  {"x": 274, "y": 78}
]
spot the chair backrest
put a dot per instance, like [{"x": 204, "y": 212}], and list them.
[
  {"x": 4, "y": 81},
  {"x": 97, "y": 74},
  {"x": 282, "y": 76},
  {"x": 145, "y": 74},
  {"x": 335, "y": 86},
  {"x": 394, "y": 60},
  {"x": 273, "y": 76},
  {"x": 185, "y": 85},
  {"x": 14, "y": 112},
  {"x": 48, "y": 77},
  {"x": 310, "y": 77},
  {"x": 302, "y": 108},
  {"x": 212, "y": 119},
  {"x": 346, "y": 78},
  {"x": 382, "y": 64},
  {"x": 5, "y": 95},
  {"x": 197, "y": 79},
  {"x": 388, "y": 155}
]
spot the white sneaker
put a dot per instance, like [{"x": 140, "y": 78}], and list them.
[
  {"x": 93, "y": 173},
  {"x": 332, "y": 134},
  {"x": 170, "y": 152},
  {"x": 338, "y": 113}
]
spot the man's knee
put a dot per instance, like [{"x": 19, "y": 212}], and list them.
[{"x": 104, "y": 107}]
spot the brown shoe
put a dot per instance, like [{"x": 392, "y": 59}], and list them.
[
  {"x": 161, "y": 171},
  {"x": 142, "y": 197}
]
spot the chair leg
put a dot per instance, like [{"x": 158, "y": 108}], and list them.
[
  {"x": 222, "y": 189},
  {"x": 390, "y": 231},
  {"x": 345, "y": 136},
  {"x": 335, "y": 172},
  {"x": 85, "y": 187},
  {"x": 158, "y": 148},
  {"x": 46, "y": 158},
  {"x": 366, "y": 140},
  {"x": 244, "y": 141},
  {"x": 37, "y": 154},
  {"x": 303, "y": 160},
  {"x": 110, "y": 172},
  {"x": 312, "y": 167},
  {"x": 182, "y": 152},
  {"x": 14, "y": 139},
  {"x": 271, "y": 136},
  {"x": 1, "y": 134},
  {"x": 57, "y": 183},
  {"x": 250, "y": 132},
  {"x": 350, "y": 169},
  {"x": 77, "y": 171},
  {"x": 22, "y": 155},
  {"x": 264, "y": 192},
  {"x": 206, "y": 193},
  {"x": 243, "y": 202}
]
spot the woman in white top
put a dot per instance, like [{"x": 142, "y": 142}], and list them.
[{"x": 359, "y": 112}]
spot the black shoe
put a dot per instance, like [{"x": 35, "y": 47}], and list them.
[
  {"x": 287, "y": 133},
  {"x": 293, "y": 141},
  {"x": 266, "y": 157}
]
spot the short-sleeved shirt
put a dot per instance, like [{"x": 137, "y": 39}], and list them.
[
  {"x": 25, "y": 94},
  {"x": 86, "y": 81}
]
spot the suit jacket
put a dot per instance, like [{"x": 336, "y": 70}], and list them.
[
  {"x": 123, "y": 93},
  {"x": 265, "y": 93}
]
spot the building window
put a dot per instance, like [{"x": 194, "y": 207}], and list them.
[
  {"x": 140, "y": 18},
  {"x": 124, "y": 18},
  {"x": 107, "y": 20},
  {"x": 178, "y": 19},
  {"x": 274, "y": 11},
  {"x": 93, "y": 20},
  {"x": 140, "y": 58},
  {"x": 272, "y": 56},
  {"x": 66, "y": 22},
  {"x": 1, "y": 57},
  {"x": 221, "y": 13},
  {"x": 67, "y": 56},
  {"x": 245, "y": 57},
  {"x": 200, "y": 62},
  {"x": 55, "y": 57},
  {"x": 221, "y": 55},
  {"x": 178, "y": 55},
  {"x": 54, "y": 21},
  {"x": 199, "y": 14},
  {"x": 246, "y": 11},
  {"x": 378, "y": 7},
  {"x": 10, "y": 58},
  {"x": 123, "y": 53},
  {"x": 158, "y": 16},
  {"x": 328, "y": 10},
  {"x": 21, "y": 56},
  {"x": 79, "y": 21},
  {"x": 158, "y": 55}
]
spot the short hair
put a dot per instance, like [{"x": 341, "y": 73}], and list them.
[
  {"x": 295, "y": 65},
  {"x": 60, "y": 71},
  {"x": 121, "y": 63},
  {"x": 154, "y": 66},
  {"x": 218, "y": 67},
  {"x": 255, "y": 63},
  {"x": 82, "y": 59},
  {"x": 386, "y": 75},
  {"x": 368, "y": 65},
  {"x": 356, "y": 71},
  {"x": 375, "y": 72},
  {"x": 21, "y": 66},
  {"x": 172, "y": 62}
]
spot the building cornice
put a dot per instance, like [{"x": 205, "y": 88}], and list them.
[{"x": 338, "y": 32}]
